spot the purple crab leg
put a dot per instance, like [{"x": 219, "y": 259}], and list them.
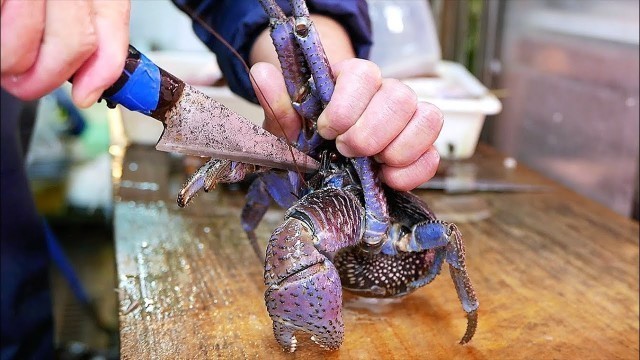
[
  {"x": 376, "y": 213},
  {"x": 310, "y": 45},
  {"x": 445, "y": 237},
  {"x": 296, "y": 73},
  {"x": 466, "y": 294},
  {"x": 210, "y": 174}
]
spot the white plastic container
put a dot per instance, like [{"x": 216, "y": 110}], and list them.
[
  {"x": 406, "y": 46},
  {"x": 405, "y": 40},
  {"x": 465, "y": 103}
]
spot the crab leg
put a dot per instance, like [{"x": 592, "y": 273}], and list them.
[
  {"x": 309, "y": 42},
  {"x": 375, "y": 203},
  {"x": 444, "y": 238},
  {"x": 466, "y": 294},
  {"x": 210, "y": 174},
  {"x": 281, "y": 187}
]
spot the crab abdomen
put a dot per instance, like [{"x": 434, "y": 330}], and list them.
[{"x": 383, "y": 276}]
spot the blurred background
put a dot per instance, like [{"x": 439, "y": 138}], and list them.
[{"x": 553, "y": 84}]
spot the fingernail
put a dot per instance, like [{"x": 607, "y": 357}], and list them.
[
  {"x": 326, "y": 131},
  {"x": 343, "y": 149},
  {"x": 91, "y": 99}
]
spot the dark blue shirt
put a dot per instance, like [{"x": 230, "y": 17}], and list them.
[{"x": 240, "y": 22}]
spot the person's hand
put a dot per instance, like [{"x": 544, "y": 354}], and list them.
[
  {"x": 44, "y": 43},
  {"x": 367, "y": 116}
]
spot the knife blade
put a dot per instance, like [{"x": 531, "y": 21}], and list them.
[
  {"x": 194, "y": 123},
  {"x": 457, "y": 185}
]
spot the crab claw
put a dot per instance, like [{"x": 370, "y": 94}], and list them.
[{"x": 304, "y": 289}]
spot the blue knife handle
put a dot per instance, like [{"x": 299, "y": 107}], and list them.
[{"x": 144, "y": 87}]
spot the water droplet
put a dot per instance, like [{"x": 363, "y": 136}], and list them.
[
  {"x": 144, "y": 245},
  {"x": 133, "y": 166},
  {"x": 207, "y": 229},
  {"x": 510, "y": 163}
]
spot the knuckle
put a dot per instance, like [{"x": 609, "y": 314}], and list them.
[
  {"x": 429, "y": 163},
  {"x": 114, "y": 66},
  {"x": 360, "y": 71},
  {"x": 123, "y": 10},
  {"x": 427, "y": 126},
  {"x": 432, "y": 110},
  {"x": 83, "y": 42},
  {"x": 368, "y": 71},
  {"x": 340, "y": 114},
  {"x": 435, "y": 159},
  {"x": 408, "y": 177},
  {"x": 364, "y": 143},
  {"x": 430, "y": 118},
  {"x": 401, "y": 93},
  {"x": 87, "y": 44},
  {"x": 395, "y": 156}
]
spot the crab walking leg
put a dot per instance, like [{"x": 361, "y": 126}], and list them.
[
  {"x": 296, "y": 73},
  {"x": 309, "y": 41},
  {"x": 441, "y": 236},
  {"x": 280, "y": 187},
  {"x": 466, "y": 294},
  {"x": 304, "y": 290},
  {"x": 210, "y": 174},
  {"x": 377, "y": 214}
]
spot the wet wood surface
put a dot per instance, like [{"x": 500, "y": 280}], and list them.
[{"x": 556, "y": 275}]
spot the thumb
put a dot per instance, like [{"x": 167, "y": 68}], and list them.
[{"x": 280, "y": 117}]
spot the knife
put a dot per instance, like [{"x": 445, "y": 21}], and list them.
[
  {"x": 458, "y": 185},
  {"x": 194, "y": 123}
]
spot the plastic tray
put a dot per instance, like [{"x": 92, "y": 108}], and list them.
[{"x": 465, "y": 103}]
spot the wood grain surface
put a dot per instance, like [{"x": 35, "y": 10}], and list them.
[{"x": 556, "y": 275}]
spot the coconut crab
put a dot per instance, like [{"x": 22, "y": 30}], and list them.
[{"x": 343, "y": 229}]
